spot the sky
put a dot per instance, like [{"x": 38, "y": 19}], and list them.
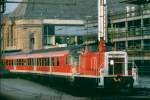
[{"x": 11, "y": 6}]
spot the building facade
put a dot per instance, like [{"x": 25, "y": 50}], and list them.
[
  {"x": 56, "y": 24},
  {"x": 129, "y": 29}
]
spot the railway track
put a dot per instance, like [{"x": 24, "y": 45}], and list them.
[
  {"x": 143, "y": 92},
  {"x": 138, "y": 94}
]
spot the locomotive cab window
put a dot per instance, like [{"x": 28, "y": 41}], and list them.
[{"x": 116, "y": 66}]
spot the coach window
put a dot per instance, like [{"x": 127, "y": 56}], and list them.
[
  {"x": 17, "y": 62},
  {"x": 66, "y": 60},
  {"x": 38, "y": 61},
  {"x": 11, "y": 62},
  {"x": 47, "y": 61},
  {"x": 14, "y": 62},
  {"x": 3, "y": 62},
  {"x": 42, "y": 61},
  {"x": 29, "y": 61},
  {"x": 6, "y": 62},
  {"x": 53, "y": 61},
  {"x": 32, "y": 61},
  {"x": 22, "y": 62},
  {"x": 58, "y": 61}
]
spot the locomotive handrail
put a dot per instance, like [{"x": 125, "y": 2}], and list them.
[
  {"x": 134, "y": 72},
  {"x": 98, "y": 73}
]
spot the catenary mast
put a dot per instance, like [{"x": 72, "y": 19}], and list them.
[{"x": 102, "y": 19}]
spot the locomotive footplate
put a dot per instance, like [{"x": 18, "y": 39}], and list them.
[{"x": 118, "y": 82}]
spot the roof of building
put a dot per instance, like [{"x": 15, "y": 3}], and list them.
[{"x": 62, "y": 9}]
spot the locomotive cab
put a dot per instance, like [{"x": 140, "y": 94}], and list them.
[{"x": 116, "y": 71}]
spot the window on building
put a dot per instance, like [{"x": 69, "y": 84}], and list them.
[
  {"x": 48, "y": 31},
  {"x": 147, "y": 22},
  {"x": 120, "y": 45},
  {"x": 134, "y": 44},
  {"x": 147, "y": 44},
  {"x": 32, "y": 41}
]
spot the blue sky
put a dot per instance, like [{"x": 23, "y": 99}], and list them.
[{"x": 11, "y": 7}]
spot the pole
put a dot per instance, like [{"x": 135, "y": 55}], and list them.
[
  {"x": 0, "y": 40},
  {"x": 102, "y": 19},
  {"x": 2, "y": 10}
]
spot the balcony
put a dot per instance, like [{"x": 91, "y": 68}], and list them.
[
  {"x": 130, "y": 32},
  {"x": 131, "y": 14}
]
